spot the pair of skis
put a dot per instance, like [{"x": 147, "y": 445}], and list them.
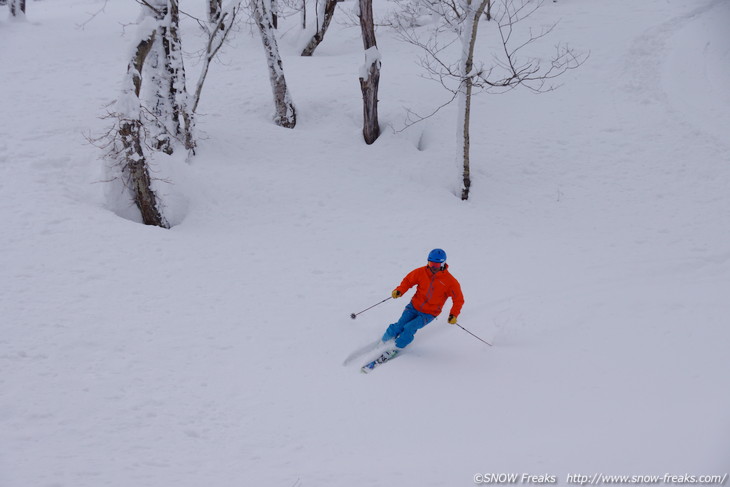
[{"x": 388, "y": 354}]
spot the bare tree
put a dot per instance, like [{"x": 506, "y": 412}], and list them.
[
  {"x": 508, "y": 70},
  {"x": 285, "y": 113},
  {"x": 217, "y": 32},
  {"x": 370, "y": 73},
  {"x": 325, "y": 13}
]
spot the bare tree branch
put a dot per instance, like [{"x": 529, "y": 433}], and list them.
[
  {"x": 92, "y": 16},
  {"x": 217, "y": 36}
]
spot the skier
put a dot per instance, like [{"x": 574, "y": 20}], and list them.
[{"x": 434, "y": 284}]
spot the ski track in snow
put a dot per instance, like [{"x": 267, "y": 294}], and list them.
[{"x": 594, "y": 253}]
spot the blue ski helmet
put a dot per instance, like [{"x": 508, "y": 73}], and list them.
[{"x": 437, "y": 255}]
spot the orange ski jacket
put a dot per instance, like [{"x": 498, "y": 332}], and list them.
[{"x": 432, "y": 290}]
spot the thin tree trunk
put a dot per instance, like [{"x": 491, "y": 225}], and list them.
[
  {"x": 179, "y": 99},
  {"x": 370, "y": 75},
  {"x": 468, "y": 44},
  {"x": 466, "y": 173},
  {"x": 329, "y": 12},
  {"x": 285, "y": 113},
  {"x": 216, "y": 37}
]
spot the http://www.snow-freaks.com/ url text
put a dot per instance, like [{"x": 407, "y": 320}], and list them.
[{"x": 600, "y": 479}]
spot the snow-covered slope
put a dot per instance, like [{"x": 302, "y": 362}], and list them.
[{"x": 594, "y": 253}]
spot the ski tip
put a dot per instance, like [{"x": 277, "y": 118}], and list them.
[{"x": 383, "y": 358}]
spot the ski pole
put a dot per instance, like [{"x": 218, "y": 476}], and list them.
[
  {"x": 472, "y": 334},
  {"x": 354, "y": 315}
]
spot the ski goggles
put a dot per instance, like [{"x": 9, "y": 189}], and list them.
[{"x": 435, "y": 265}]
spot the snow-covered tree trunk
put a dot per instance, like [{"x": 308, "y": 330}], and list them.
[
  {"x": 128, "y": 145},
  {"x": 370, "y": 73},
  {"x": 326, "y": 12},
  {"x": 170, "y": 103},
  {"x": 285, "y": 113},
  {"x": 462, "y": 136},
  {"x": 160, "y": 103},
  {"x": 17, "y": 8},
  {"x": 215, "y": 9},
  {"x": 468, "y": 42},
  {"x": 182, "y": 114}
]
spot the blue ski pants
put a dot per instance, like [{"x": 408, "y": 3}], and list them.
[{"x": 406, "y": 327}]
